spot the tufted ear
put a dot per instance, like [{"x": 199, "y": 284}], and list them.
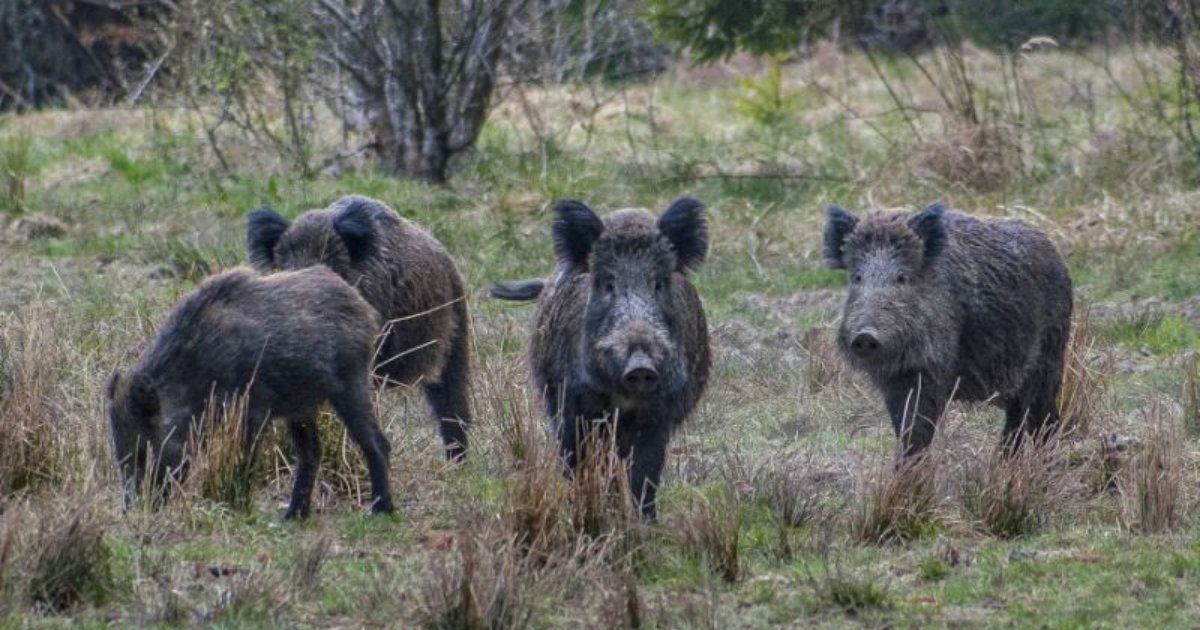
[
  {"x": 355, "y": 223},
  {"x": 683, "y": 224},
  {"x": 838, "y": 225},
  {"x": 143, "y": 399},
  {"x": 110, "y": 390},
  {"x": 929, "y": 226},
  {"x": 575, "y": 231},
  {"x": 263, "y": 229}
]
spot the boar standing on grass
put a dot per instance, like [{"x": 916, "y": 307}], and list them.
[
  {"x": 943, "y": 305},
  {"x": 294, "y": 340},
  {"x": 406, "y": 274},
  {"x": 620, "y": 332}
]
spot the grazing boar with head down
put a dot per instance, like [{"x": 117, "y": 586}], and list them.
[
  {"x": 620, "y": 335},
  {"x": 402, "y": 271},
  {"x": 943, "y": 305},
  {"x": 287, "y": 342}
]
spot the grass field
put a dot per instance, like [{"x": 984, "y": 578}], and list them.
[{"x": 782, "y": 504}]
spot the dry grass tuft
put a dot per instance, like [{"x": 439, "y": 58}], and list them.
[
  {"x": 824, "y": 367},
  {"x": 710, "y": 529},
  {"x": 853, "y": 593},
  {"x": 221, "y": 466},
  {"x": 1014, "y": 495},
  {"x": 898, "y": 502},
  {"x": 601, "y": 502},
  {"x": 1083, "y": 396},
  {"x": 342, "y": 471},
  {"x": 537, "y": 497},
  {"x": 480, "y": 584},
  {"x": 1191, "y": 394},
  {"x": 1155, "y": 494},
  {"x": 37, "y": 449},
  {"x": 983, "y": 157},
  {"x": 53, "y": 555},
  {"x": 306, "y": 574}
]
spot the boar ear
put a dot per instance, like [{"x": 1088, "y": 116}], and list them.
[
  {"x": 838, "y": 225},
  {"x": 356, "y": 225},
  {"x": 575, "y": 231},
  {"x": 110, "y": 389},
  {"x": 929, "y": 226},
  {"x": 263, "y": 229},
  {"x": 683, "y": 224},
  {"x": 142, "y": 396}
]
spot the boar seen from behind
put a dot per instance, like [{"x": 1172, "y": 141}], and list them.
[{"x": 402, "y": 271}]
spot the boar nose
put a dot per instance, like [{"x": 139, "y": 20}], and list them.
[
  {"x": 865, "y": 344},
  {"x": 640, "y": 375}
]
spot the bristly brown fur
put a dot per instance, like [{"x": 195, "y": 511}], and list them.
[
  {"x": 622, "y": 293},
  {"x": 943, "y": 305},
  {"x": 287, "y": 342},
  {"x": 402, "y": 271}
]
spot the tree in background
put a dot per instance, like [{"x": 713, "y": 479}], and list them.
[{"x": 423, "y": 72}]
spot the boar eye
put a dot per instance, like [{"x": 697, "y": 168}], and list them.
[
  {"x": 609, "y": 288},
  {"x": 902, "y": 279},
  {"x": 658, "y": 285},
  {"x": 857, "y": 278}
]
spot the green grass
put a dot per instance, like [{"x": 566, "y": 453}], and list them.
[{"x": 150, "y": 216}]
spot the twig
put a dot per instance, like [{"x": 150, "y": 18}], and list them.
[{"x": 137, "y": 94}]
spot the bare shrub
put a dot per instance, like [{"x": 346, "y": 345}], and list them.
[
  {"x": 898, "y": 502},
  {"x": 1010, "y": 495},
  {"x": 37, "y": 449},
  {"x": 710, "y": 529},
  {"x": 1083, "y": 395},
  {"x": 1154, "y": 488}
]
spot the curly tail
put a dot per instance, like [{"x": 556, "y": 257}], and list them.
[{"x": 519, "y": 291}]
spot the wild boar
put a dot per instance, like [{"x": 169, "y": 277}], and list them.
[
  {"x": 943, "y": 305},
  {"x": 287, "y": 342},
  {"x": 619, "y": 334},
  {"x": 402, "y": 271}
]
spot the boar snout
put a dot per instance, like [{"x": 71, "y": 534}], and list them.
[
  {"x": 865, "y": 343},
  {"x": 640, "y": 374}
]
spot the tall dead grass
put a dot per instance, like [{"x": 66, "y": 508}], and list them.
[
  {"x": 1011, "y": 495},
  {"x": 39, "y": 447},
  {"x": 221, "y": 464},
  {"x": 1155, "y": 487},
  {"x": 1082, "y": 399},
  {"x": 53, "y": 553},
  {"x": 897, "y": 502},
  {"x": 1191, "y": 394}
]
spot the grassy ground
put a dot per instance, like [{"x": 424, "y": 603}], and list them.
[{"x": 781, "y": 504}]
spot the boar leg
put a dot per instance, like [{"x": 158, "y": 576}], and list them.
[
  {"x": 448, "y": 398},
  {"x": 649, "y": 453},
  {"x": 1033, "y": 411},
  {"x": 353, "y": 405},
  {"x": 915, "y": 404},
  {"x": 307, "y": 439}
]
